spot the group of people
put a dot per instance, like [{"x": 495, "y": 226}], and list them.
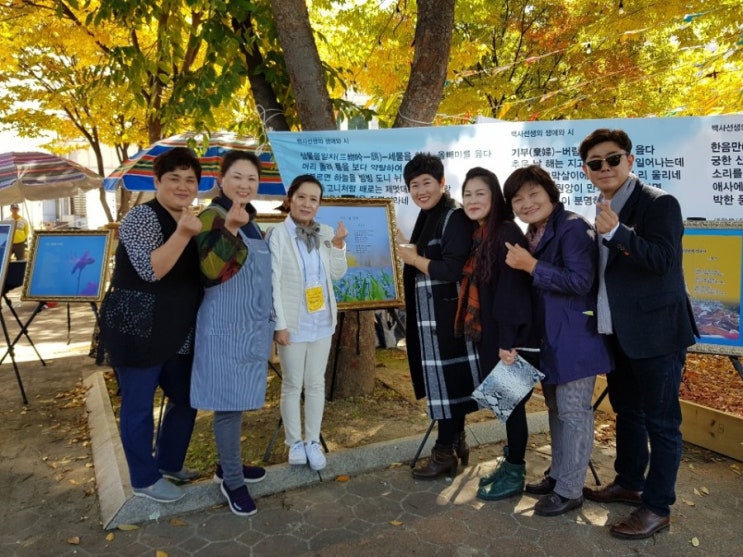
[
  {"x": 606, "y": 297},
  {"x": 194, "y": 305},
  {"x": 196, "y": 301}
]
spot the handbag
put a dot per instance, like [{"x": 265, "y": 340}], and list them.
[{"x": 506, "y": 385}]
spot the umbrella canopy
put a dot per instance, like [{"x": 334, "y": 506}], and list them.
[
  {"x": 36, "y": 176},
  {"x": 136, "y": 174}
]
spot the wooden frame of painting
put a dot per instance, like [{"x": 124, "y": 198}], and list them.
[
  {"x": 374, "y": 277},
  {"x": 68, "y": 266}
]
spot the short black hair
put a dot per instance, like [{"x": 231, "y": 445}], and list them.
[
  {"x": 602, "y": 135},
  {"x": 530, "y": 174},
  {"x": 423, "y": 163},
  {"x": 231, "y": 157},
  {"x": 176, "y": 158},
  {"x": 294, "y": 186}
]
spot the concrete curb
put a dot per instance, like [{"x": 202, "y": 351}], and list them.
[{"x": 119, "y": 506}]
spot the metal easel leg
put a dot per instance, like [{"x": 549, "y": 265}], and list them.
[{"x": 423, "y": 444}]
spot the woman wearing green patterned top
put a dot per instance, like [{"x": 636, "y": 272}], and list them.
[{"x": 235, "y": 324}]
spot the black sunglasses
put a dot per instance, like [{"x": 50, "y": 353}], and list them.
[{"x": 611, "y": 160}]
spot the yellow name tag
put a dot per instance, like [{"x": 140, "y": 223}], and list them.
[{"x": 315, "y": 298}]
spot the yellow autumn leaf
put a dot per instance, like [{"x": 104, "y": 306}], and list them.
[
  {"x": 110, "y": 537},
  {"x": 160, "y": 553},
  {"x": 689, "y": 503},
  {"x": 696, "y": 492},
  {"x": 128, "y": 527},
  {"x": 396, "y": 523},
  {"x": 695, "y": 541},
  {"x": 177, "y": 522},
  {"x": 705, "y": 491},
  {"x": 74, "y": 540}
]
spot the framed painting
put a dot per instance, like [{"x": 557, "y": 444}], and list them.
[
  {"x": 713, "y": 269},
  {"x": 374, "y": 277},
  {"x": 7, "y": 228},
  {"x": 67, "y": 266},
  {"x": 267, "y": 220}
]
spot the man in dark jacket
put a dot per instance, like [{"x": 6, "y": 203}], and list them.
[{"x": 644, "y": 307}]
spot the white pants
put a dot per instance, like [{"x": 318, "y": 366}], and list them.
[{"x": 303, "y": 364}]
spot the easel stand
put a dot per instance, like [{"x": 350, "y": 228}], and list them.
[
  {"x": 24, "y": 332},
  {"x": 11, "y": 345}
]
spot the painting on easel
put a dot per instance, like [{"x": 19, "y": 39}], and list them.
[{"x": 67, "y": 266}]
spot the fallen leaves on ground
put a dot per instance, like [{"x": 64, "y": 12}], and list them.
[{"x": 712, "y": 381}]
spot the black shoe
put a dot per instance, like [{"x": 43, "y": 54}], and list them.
[
  {"x": 553, "y": 504},
  {"x": 542, "y": 487}
]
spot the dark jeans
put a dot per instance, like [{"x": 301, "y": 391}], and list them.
[
  {"x": 19, "y": 251},
  {"x": 644, "y": 393},
  {"x": 137, "y": 424}
]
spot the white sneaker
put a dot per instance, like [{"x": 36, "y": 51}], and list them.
[
  {"x": 315, "y": 455},
  {"x": 297, "y": 454}
]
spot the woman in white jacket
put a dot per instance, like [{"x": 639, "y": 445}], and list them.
[{"x": 305, "y": 258}]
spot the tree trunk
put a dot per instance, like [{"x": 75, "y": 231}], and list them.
[
  {"x": 352, "y": 363},
  {"x": 303, "y": 64},
  {"x": 433, "y": 33},
  {"x": 269, "y": 108},
  {"x": 102, "y": 171}
]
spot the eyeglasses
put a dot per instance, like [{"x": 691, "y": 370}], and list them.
[{"x": 611, "y": 160}]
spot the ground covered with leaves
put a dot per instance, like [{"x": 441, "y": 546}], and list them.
[{"x": 46, "y": 471}]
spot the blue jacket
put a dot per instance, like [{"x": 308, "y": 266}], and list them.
[{"x": 565, "y": 288}]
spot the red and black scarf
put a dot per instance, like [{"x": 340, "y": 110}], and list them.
[{"x": 468, "y": 320}]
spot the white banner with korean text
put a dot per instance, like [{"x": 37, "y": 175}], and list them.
[{"x": 697, "y": 159}]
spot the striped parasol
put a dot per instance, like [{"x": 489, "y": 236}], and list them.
[
  {"x": 35, "y": 176},
  {"x": 136, "y": 174}
]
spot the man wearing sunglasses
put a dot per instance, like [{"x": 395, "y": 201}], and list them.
[{"x": 644, "y": 308}]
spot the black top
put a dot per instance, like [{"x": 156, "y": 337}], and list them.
[{"x": 145, "y": 322}]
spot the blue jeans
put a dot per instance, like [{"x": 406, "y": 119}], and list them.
[
  {"x": 644, "y": 393},
  {"x": 137, "y": 424}
]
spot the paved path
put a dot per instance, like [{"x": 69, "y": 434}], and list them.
[{"x": 375, "y": 513}]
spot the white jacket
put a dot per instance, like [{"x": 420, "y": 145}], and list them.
[{"x": 286, "y": 273}]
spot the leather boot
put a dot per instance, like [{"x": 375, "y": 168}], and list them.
[
  {"x": 462, "y": 449},
  {"x": 508, "y": 481},
  {"x": 443, "y": 460}
]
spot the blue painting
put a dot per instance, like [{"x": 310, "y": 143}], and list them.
[
  {"x": 67, "y": 266},
  {"x": 6, "y": 243}
]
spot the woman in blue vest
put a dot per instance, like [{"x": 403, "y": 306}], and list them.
[
  {"x": 235, "y": 322},
  {"x": 562, "y": 259}
]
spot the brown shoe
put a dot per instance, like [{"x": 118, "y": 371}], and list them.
[
  {"x": 613, "y": 493},
  {"x": 640, "y": 524}
]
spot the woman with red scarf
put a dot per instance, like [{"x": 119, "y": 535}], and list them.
[{"x": 495, "y": 312}]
